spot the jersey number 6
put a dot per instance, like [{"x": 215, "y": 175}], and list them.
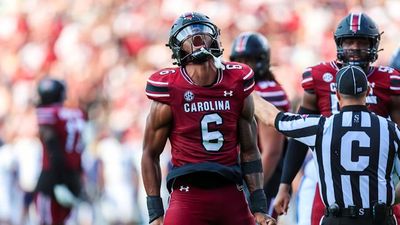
[{"x": 212, "y": 140}]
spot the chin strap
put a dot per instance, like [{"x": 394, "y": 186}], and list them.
[{"x": 217, "y": 60}]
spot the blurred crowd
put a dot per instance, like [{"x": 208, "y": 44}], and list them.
[{"x": 106, "y": 49}]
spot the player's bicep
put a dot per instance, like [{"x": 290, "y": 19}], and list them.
[{"x": 157, "y": 128}]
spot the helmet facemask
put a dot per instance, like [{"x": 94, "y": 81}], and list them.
[
  {"x": 362, "y": 56},
  {"x": 194, "y": 39},
  {"x": 191, "y": 48}
]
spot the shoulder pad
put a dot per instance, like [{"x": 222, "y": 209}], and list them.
[
  {"x": 244, "y": 72},
  {"x": 157, "y": 84}
]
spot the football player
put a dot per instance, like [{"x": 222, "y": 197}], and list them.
[
  {"x": 60, "y": 131},
  {"x": 253, "y": 49},
  {"x": 357, "y": 41},
  {"x": 204, "y": 108}
]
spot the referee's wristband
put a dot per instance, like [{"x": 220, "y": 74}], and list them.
[
  {"x": 258, "y": 201},
  {"x": 155, "y": 207}
]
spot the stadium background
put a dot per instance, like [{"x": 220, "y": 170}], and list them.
[{"x": 106, "y": 49}]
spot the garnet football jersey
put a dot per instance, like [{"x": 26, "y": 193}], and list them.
[
  {"x": 68, "y": 124},
  {"x": 205, "y": 119},
  {"x": 320, "y": 80},
  {"x": 273, "y": 93}
]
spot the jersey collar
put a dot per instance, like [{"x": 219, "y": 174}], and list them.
[
  {"x": 354, "y": 108},
  {"x": 190, "y": 81}
]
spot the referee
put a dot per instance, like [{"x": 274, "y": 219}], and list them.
[{"x": 354, "y": 151}]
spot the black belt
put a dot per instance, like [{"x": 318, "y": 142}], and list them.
[
  {"x": 354, "y": 212},
  {"x": 203, "y": 180}
]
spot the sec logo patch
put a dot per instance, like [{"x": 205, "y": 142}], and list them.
[
  {"x": 188, "y": 96},
  {"x": 327, "y": 77}
]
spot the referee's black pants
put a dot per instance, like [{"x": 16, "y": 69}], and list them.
[{"x": 331, "y": 220}]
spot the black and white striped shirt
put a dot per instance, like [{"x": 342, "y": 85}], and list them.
[{"x": 354, "y": 151}]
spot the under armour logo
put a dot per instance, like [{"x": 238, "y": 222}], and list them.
[
  {"x": 186, "y": 189},
  {"x": 228, "y": 93}
]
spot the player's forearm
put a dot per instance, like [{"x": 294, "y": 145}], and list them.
[
  {"x": 254, "y": 181},
  {"x": 250, "y": 158},
  {"x": 151, "y": 173},
  {"x": 252, "y": 169},
  {"x": 253, "y": 176}
]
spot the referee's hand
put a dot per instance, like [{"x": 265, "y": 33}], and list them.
[
  {"x": 282, "y": 199},
  {"x": 264, "y": 219},
  {"x": 158, "y": 221}
]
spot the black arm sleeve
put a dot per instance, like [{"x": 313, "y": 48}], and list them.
[
  {"x": 53, "y": 175},
  {"x": 295, "y": 154},
  {"x": 54, "y": 148}
]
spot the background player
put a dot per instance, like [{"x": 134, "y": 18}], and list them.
[
  {"x": 253, "y": 49},
  {"x": 60, "y": 131}
]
